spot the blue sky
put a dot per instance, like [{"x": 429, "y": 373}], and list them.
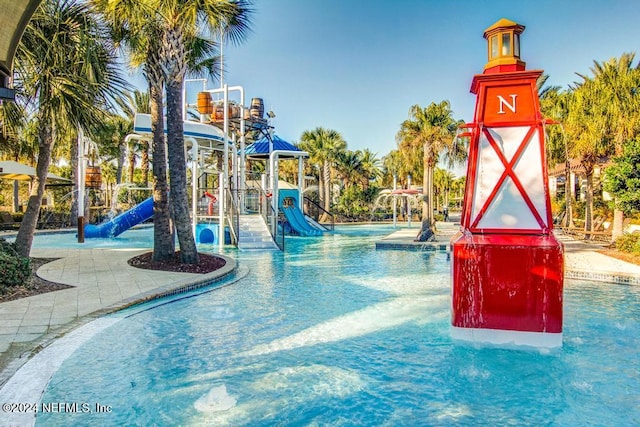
[{"x": 357, "y": 66}]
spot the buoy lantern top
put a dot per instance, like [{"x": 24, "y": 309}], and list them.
[{"x": 503, "y": 42}]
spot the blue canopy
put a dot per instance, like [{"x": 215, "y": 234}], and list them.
[{"x": 260, "y": 148}]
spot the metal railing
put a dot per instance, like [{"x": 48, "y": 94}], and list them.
[
  {"x": 258, "y": 201},
  {"x": 315, "y": 211},
  {"x": 233, "y": 216}
]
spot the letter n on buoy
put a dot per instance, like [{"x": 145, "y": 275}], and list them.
[{"x": 508, "y": 267}]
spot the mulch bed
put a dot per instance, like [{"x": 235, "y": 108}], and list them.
[
  {"x": 624, "y": 256},
  {"x": 36, "y": 285},
  {"x": 207, "y": 264}
]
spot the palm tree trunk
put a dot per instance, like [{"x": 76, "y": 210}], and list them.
[
  {"x": 431, "y": 198},
  {"x": 178, "y": 170},
  {"x": 588, "y": 213},
  {"x": 326, "y": 176},
  {"x": 616, "y": 227},
  {"x": 426, "y": 232},
  {"x": 24, "y": 239},
  {"x": 568, "y": 195},
  {"x": 163, "y": 240},
  {"x": 74, "y": 193},
  {"x": 122, "y": 154},
  {"x": 132, "y": 164},
  {"x": 144, "y": 163}
]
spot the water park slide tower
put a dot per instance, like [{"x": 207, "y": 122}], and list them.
[{"x": 508, "y": 267}]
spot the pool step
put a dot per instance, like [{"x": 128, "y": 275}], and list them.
[{"x": 254, "y": 234}]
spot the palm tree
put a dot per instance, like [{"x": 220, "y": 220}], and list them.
[
  {"x": 428, "y": 131},
  {"x": 370, "y": 166},
  {"x": 324, "y": 147},
  {"x": 442, "y": 183},
  {"x": 65, "y": 63},
  {"x": 349, "y": 167},
  {"x": 394, "y": 165},
  {"x": 135, "y": 28},
  {"x": 554, "y": 104},
  {"x": 457, "y": 187},
  {"x": 182, "y": 21},
  {"x": 603, "y": 114},
  {"x": 110, "y": 139},
  {"x": 619, "y": 79},
  {"x": 142, "y": 27},
  {"x": 137, "y": 102}
]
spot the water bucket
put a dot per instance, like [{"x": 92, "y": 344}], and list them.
[
  {"x": 234, "y": 111},
  {"x": 204, "y": 103},
  {"x": 217, "y": 113},
  {"x": 93, "y": 177},
  {"x": 257, "y": 108}
]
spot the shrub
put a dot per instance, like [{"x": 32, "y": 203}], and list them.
[
  {"x": 14, "y": 269},
  {"x": 629, "y": 243}
]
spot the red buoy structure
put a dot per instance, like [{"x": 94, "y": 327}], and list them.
[{"x": 508, "y": 267}]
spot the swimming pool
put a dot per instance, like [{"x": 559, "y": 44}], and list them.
[{"x": 333, "y": 332}]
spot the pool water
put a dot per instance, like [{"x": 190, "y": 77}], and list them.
[{"x": 335, "y": 332}]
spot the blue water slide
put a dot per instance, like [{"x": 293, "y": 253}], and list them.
[
  {"x": 121, "y": 223},
  {"x": 288, "y": 202}
]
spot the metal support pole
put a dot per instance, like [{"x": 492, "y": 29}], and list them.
[
  {"x": 81, "y": 178},
  {"x": 395, "y": 201},
  {"x": 194, "y": 184},
  {"x": 221, "y": 207},
  {"x": 300, "y": 185},
  {"x": 408, "y": 201}
]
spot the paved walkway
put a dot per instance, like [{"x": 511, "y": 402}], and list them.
[{"x": 102, "y": 282}]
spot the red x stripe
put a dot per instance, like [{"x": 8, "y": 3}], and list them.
[{"x": 508, "y": 171}]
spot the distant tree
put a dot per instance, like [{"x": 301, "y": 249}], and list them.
[
  {"x": 604, "y": 112},
  {"x": 554, "y": 104},
  {"x": 132, "y": 103},
  {"x": 622, "y": 179},
  {"x": 324, "y": 147},
  {"x": 429, "y": 131}
]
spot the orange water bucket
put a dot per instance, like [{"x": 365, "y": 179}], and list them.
[
  {"x": 204, "y": 103},
  {"x": 257, "y": 108},
  {"x": 93, "y": 177},
  {"x": 217, "y": 114}
]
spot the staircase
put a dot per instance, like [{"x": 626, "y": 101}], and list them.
[{"x": 254, "y": 234}]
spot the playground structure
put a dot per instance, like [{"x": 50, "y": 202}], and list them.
[{"x": 225, "y": 200}]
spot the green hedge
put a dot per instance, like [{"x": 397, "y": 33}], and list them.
[
  {"x": 15, "y": 270},
  {"x": 629, "y": 243}
]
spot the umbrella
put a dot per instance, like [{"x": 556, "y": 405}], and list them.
[{"x": 17, "y": 171}]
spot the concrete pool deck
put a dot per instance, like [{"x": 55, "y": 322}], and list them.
[
  {"x": 103, "y": 282},
  {"x": 582, "y": 259}
]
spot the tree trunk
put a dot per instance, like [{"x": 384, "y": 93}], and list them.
[
  {"x": 431, "y": 198},
  {"x": 163, "y": 240},
  {"x": 588, "y": 211},
  {"x": 144, "y": 163},
  {"x": 122, "y": 155},
  {"x": 426, "y": 231},
  {"x": 568, "y": 196},
  {"x": 178, "y": 174},
  {"x": 16, "y": 196},
  {"x": 73, "y": 221},
  {"x": 24, "y": 239},
  {"x": 616, "y": 227},
  {"x": 326, "y": 177},
  {"x": 132, "y": 163}
]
